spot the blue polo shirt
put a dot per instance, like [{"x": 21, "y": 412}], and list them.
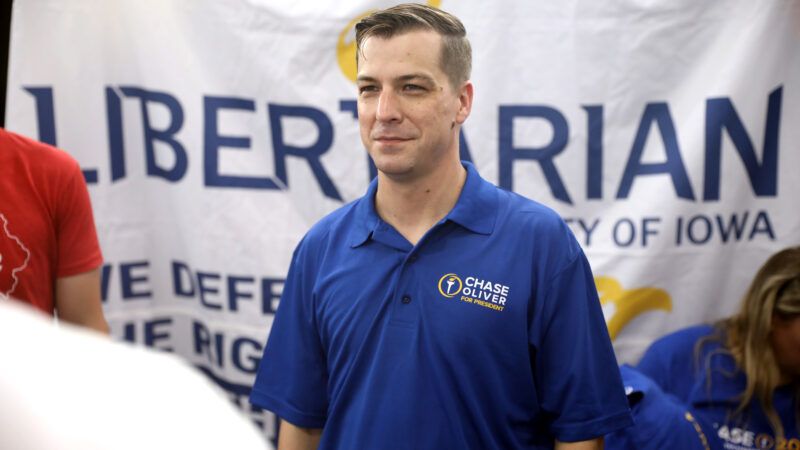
[
  {"x": 487, "y": 334},
  {"x": 662, "y": 421},
  {"x": 710, "y": 384}
]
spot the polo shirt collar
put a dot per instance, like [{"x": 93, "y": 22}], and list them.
[
  {"x": 366, "y": 219},
  {"x": 475, "y": 210}
]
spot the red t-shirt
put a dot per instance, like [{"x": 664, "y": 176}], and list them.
[{"x": 46, "y": 226}]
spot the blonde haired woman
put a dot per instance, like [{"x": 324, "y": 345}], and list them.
[{"x": 743, "y": 373}]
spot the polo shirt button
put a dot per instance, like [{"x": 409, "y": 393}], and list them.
[
  {"x": 406, "y": 300},
  {"x": 412, "y": 258}
]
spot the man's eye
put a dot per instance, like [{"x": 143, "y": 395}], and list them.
[
  {"x": 413, "y": 87},
  {"x": 366, "y": 89}
]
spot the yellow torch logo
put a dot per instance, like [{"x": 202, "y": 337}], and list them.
[{"x": 625, "y": 305}]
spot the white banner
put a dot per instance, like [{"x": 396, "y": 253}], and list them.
[{"x": 214, "y": 134}]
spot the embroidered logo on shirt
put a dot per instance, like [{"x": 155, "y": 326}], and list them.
[
  {"x": 735, "y": 438},
  {"x": 450, "y": 285},
  {"x": 474, "y": 290},
  {"x": 10, "y": 253}
]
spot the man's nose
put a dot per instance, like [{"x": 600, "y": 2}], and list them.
[{"x": 388, "y": 107}]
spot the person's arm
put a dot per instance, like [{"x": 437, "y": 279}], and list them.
[
  {"x": 77, "y": 300},
  {"x": 595, "y": 444},
  {"x": 291, "y": 437}
]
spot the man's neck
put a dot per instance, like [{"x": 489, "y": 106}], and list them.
[{"x": 413, "y": 207}]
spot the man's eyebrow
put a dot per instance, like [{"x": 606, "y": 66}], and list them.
[
  {"x": 417, "y": 76},
  {"x": 409, "y": 77}
]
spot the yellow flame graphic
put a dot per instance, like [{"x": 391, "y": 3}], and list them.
[
  {"x": 629, "y": 303},
  {"x": 346, "y": 44}
]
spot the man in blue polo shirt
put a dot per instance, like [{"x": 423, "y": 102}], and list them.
[{"x": 437, "y": 311}]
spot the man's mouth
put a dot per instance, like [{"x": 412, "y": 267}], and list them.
[{"x": 391, "y": 139}]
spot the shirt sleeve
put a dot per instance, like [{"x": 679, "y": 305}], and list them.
[
  {"x": 78, "y": 247},
  {"x": 292, "y": 377},
  {"x": 576, "y": 373}
]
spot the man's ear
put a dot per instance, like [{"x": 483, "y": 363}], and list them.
[{"x": 465, "y": 95}]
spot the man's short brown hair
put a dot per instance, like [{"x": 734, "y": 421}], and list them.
[{"x": 456, "y": 55}]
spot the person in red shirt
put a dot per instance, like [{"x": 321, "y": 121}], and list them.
[{"x": 49, "y": 253}]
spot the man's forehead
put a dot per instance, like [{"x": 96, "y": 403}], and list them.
[
  {"x": 412, "y": 41},
  {"x": 420, "y": 48}
]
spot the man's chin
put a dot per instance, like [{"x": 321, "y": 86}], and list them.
[{"x": 394, "y": 169}]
